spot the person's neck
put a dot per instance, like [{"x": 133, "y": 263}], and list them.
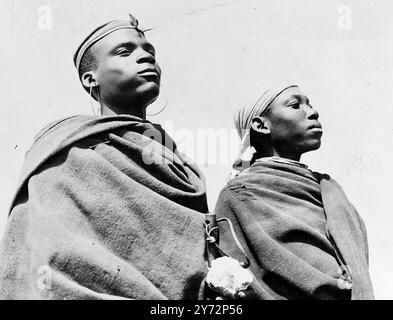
[
  {"x": 273, "y": 152},
  {"x": 136, "y": 112}
]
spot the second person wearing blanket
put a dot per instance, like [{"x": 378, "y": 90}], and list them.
[{"x": 303, "y": 237}]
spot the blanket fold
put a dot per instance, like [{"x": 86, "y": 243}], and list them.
[
  {"x": 283, "y": 215},
  {"x": 106, "y": 208}
]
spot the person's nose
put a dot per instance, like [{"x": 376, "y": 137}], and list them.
[
  {"x": 145, "y": 56},
  {"x": 311, "y": 113}
]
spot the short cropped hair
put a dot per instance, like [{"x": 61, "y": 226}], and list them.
[
  {"x": 88, "y": 62},
  {"x": 266, "y": 113}
]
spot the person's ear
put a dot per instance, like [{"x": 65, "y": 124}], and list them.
[
  {"x": 88, "y": 80},
  {"x": 260, "y": 124}
]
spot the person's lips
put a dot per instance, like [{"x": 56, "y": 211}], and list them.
[
  {"x": 316, "y": 127},
  {"x": 149, "y": 72}
]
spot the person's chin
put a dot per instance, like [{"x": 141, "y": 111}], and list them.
[
  {"x": 148, "y": 92},
  {"x": 150, "y": 88},
  {"x": 146, "y": 84},
  {"x": 315, "y": 145}
]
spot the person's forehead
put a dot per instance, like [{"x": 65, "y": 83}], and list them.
[{"x": 117, "y": 38}]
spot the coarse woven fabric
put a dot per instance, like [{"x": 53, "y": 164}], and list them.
[
  {"x": 104, "y": 211},
  {"x": 282, "y": 215}
]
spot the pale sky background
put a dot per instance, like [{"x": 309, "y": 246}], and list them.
[{"x": 340, "y": 53}]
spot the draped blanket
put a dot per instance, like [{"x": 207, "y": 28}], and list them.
[
  {"x": 106, "y": 208},
  {"x": 297, "y": 227}
]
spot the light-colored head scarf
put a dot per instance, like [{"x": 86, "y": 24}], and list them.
[{"x": 252, "y": 102}]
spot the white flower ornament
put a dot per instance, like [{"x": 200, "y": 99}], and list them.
[{"x": 226, "y": 276}]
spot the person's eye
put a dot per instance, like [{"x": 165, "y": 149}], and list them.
[
  {"x": 295, "y": 105},
  {"x": 123, "y": 52},
  {"x": 152, "y": 52}
]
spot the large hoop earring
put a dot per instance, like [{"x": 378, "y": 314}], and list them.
[
  {"x": 99, "y": 100},
  {"x": 91, "y": 100},
  {"x": 162, "y": 109}
]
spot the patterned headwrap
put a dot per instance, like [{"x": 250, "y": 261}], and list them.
[
  {"x": 252, "y": 103},
  {"x": 101, "y": 32}
]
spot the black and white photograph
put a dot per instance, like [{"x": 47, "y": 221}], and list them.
[{"x": 196, "y": 150}]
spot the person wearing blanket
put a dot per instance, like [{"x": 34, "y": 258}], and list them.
[
  {"x": 303, "y": 238},
  {"x": 106, "y": 207}
]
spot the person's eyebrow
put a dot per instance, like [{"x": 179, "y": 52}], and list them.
[
  {"x": 298, "y": 98},
  {"x": 126, "y": 44},
  {"x": 291, "y": 98},
  {"x": 130, "y": 44}
]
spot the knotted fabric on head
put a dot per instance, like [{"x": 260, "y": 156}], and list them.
[
  {"x": 101, "y": 32},
  {"x": 253, "y": 101}
]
